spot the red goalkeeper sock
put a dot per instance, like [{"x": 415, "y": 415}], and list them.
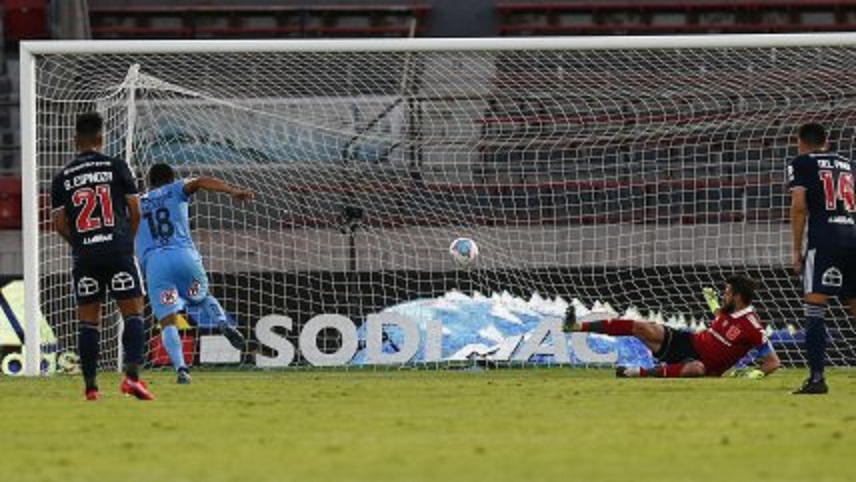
[
  {"x": 609, "y": 327},
  {"x": 672, "y": 370}
]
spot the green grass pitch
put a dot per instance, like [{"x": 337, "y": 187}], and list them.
[{"x": 534, "y": 424}]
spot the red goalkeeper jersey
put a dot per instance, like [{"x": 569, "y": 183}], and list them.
[{"x": 729, "y": 338}]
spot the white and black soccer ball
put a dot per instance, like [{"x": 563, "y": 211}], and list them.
[{"x": 464, "y": 251}]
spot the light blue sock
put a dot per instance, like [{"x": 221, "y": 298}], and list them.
[
  {"x": 215, "y": 311},
  {"x": 172, "y": 343}
]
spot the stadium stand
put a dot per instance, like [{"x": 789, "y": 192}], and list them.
[
  {"x": 21, "y": 20},
  {"x": 249, "y": 21},
  {"x": 10, "y": 202},
  {"x": 25, "y": 19},
  {"x": 672, "y": 17}
]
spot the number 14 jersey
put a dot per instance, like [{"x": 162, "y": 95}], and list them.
[
  {"x": 827, "y": 179},
  {"x": 93, "y": 190},
  {"x": 165, "y": 222}
]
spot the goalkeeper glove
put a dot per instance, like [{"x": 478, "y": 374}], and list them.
[
  {"x": 750, "y": 373},
  {"x": 712, "y": 298}
]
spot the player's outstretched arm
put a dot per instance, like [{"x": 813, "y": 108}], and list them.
[
  {"x": 207, "y": 183},
  {"x": 770, "y": 363},
  {"x": 767, "y": 361}
]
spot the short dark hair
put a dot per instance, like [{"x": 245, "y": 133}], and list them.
[
  {"x": 813, "y": 134},
  {"x": 160, "y": 174},
  {"x": 744, "y": 286},
  {"x": 89, "y": 126}
]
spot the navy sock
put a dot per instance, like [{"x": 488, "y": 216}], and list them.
[
  {"x": 133, "y": 342},
  {"x": 815, "y": 339},
  {"x": 88, "y": 338}
]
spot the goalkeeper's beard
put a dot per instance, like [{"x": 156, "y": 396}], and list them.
[{"x": 729, "y": 307}]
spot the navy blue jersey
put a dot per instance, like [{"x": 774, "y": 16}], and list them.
[
  {"x": 92, "y": 190},
  {"x": 828, "y": 181}
]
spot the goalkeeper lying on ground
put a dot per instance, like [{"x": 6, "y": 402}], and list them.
[{"x": 733, "y": 334}]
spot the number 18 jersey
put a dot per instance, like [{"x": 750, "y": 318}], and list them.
[
  {"x": 165, "y": 222},
  {"x": 827, "y": 179}
]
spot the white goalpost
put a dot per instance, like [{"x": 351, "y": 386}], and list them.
[{"x": 621, "y": 173}]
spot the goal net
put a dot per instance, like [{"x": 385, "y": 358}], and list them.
[{"x": 622, "y": 173}]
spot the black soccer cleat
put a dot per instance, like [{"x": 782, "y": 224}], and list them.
[
  {"x": 236, "y": 339},
  {"x": 628, "y": 372},
  {"x": 570, "y": 323},
  {"x": 253, "y": 347},
  {"x": 812, "y": 387},
  {"x": 183, "y": 376}
]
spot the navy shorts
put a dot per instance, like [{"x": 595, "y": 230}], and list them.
[
  {"x": 677, "y": 347},
  {"x": 830, "y": 271},
  {"x": 118, "y": 273}
]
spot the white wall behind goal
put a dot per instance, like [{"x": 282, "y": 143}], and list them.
[{"x": 426, "y": 248}]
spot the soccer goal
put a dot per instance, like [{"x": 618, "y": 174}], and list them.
[{"x": 621, "y": 173}]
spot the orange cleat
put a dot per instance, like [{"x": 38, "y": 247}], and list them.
[{"x": 137, "y": 389}]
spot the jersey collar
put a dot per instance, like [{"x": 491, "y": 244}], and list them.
[{"x": 743, "y": 312}]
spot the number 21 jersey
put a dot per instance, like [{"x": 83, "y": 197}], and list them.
[
  {"x": 92, "y": 190},
  {"x": 165, "y": 223},
  {"x": 827, "y": 179}
]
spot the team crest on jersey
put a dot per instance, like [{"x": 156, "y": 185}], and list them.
[
  {"x": 123, "y": 281},
  {"x": 832, "y": 277},
  {"x": 733, "y": 333},
  {"x": 169, "y": 297},
  {"x": 87, "y": 286},
  {"x": 193, "y": 291}
]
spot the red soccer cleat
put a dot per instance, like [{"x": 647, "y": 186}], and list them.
[
  {"x": 92, "y": 395},
  {"x": 137, "y": 389}
]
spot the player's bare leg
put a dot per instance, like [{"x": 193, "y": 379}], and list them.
[
  {"x": 815, "y": 344},
  {"x": 88, "y": 342},
  {"x": 133, "y": 343},
  {"x": 172, "y": 344}
]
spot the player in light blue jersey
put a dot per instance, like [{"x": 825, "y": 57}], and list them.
[{"x": 175, "y": 278}]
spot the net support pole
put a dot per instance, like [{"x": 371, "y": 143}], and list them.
[
  {"x": 30, "y": 213},
  {"x": 130, "y": 84}
]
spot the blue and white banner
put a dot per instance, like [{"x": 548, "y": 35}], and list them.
[{"x": 500, "y": 328}]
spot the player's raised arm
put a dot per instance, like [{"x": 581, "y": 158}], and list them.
[{"x": 213, "y": 184}]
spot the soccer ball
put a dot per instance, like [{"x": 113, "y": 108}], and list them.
[{"x": 464, "y": 251}]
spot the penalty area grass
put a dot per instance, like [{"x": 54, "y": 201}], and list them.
[{"x": 524, "y": 424}]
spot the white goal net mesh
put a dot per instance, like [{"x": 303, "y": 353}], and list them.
[{"x": 627, "y": 177}]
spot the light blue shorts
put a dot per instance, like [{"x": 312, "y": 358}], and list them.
[{"x": 175, "y": 278}]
